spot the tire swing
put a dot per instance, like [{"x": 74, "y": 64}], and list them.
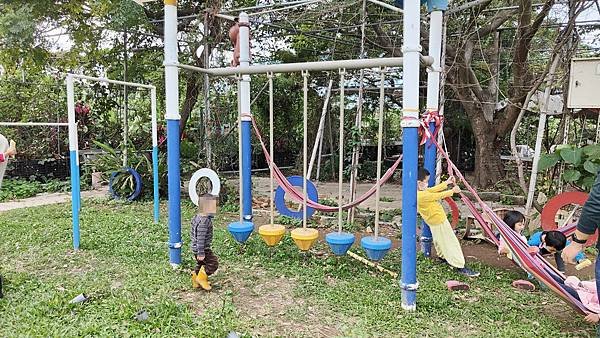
[
  {"x": 137, "y": 180},
  {"x": 215, "y": 183}
]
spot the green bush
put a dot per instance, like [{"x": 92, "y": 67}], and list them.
[
  {"x": 581, "y": 164},
  {"x": 19, "y": 188}
]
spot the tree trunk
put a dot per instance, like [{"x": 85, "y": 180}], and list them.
[
  {"x": 488, "y": 165},
  {"x": 192, "y": 91}
]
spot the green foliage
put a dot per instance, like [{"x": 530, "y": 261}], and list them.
[
  {"x": 18, "y": 188},
  {"x": 581, "y": 164},
  {"x": 141, "y": 162},
  {"x": 123, "y": 269},
  {"x": 285, "y": 220}
]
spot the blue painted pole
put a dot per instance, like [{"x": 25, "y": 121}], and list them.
[
  {"x": 155, "y": 154},
  {"x": 173, "y": 118},
  {"x": 409, "y": 217},
  {"x": 155, "y": 181},
  {"x": 410, "y": 148},
  {"x": 74, "y": 162},
  {"x": 247, "y": 169},
  {"x": 74, "y": 200},
  {"x": 430, "y": 165},
  {"x": 174, "y": 181}
]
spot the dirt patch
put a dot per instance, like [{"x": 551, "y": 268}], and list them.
[{"x": 270, "y": 303}]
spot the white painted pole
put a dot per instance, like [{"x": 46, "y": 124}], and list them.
[
  {"x": 540, "y": 135},
  {"x": 320, "y": 130},
  {"x": 435, "y": 47}
]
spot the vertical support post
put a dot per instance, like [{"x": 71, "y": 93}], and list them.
[
  {"x": 410, "y": 123},
  {"x": 441, "y": 137},
  {"x": 540, "y": 134},
  {"x": 246, "y": 165},
  {"x": 155, "y": 155},
  {"x": 207, "y": 116},
  {"x": 433, "y": 94},
  {"x": 74, "y": 161},
  {"x": 173, "y": 117},
  {"x": 125, "y": 101}
]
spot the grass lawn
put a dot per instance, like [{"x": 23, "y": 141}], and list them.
[{"x": 258, "y": 291}]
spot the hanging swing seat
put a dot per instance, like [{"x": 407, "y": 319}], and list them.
[
  {"x": 339, "y": 242},
  {"x": 271, "y": 233},
  {"x": 376, "y": 247},
  {"x": 304, "y": 237},
  {"x": 241, "y": 231}
]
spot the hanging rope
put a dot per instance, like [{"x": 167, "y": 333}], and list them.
[
  {"x": 341, "y": 146},
  {"x": 239, "y": 84},
  {"x": 271, "y": 109},
  {"x": 305, "y": 147},
  {"x": 379, "y": 147}
]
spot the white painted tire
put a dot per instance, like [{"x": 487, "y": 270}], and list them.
[{"x": 214, "y": 181}]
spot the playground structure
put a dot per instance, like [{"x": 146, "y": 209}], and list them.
[
  {"x": 410, "y": 62},
  {"x": 74, "y": 149}
]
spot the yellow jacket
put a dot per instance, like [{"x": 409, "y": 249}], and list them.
[{"x": 429, "y": 206}]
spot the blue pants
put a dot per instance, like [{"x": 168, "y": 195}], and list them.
[{"x": 570, "y": 290}]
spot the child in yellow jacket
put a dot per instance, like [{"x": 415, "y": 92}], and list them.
[{"x": 445, "y": 242}]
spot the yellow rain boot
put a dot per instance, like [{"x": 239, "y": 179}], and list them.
[
  {"x": 202, "y": 279},
  {"x": 195, "y": 283}
]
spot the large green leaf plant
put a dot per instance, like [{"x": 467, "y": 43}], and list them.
[{"x": 581, "y": 164}]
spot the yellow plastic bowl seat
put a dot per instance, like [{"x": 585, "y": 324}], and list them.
[
  {"x": 271, "y": 233},
  {"x": 304, "y": 238}
]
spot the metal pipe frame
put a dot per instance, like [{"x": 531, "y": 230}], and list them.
[
  {"x": 74, "y": 149},
  {"x": 105, "y": 80},
  {"x": 34, "y": 124},
  {"x": 302, "y": 66}
]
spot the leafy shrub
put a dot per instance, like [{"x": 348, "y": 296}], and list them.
[
  {"x": 581, "y": 164},
  {"x": 19, "y": 188}
]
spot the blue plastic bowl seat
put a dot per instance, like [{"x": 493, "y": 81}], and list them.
[
  {"x": 241, "y": 230},
  {"x": 376, "y": 249},
  {"x": 339, "y": 242}
]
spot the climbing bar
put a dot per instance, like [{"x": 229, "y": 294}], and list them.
[
  {"x": 302, "y": 66},
  {"x": 37, "y": 124},
  {"x": 101, "y": 79}
]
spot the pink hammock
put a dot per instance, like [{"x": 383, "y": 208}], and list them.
[
  {"x": 299, "y": 196},
  {"x": 535, "y": 264}
]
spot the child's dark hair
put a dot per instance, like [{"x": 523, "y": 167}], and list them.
[
  {"x": 422, "y": 174},
  {"x": 513, "y": 217},
  {"x": 555, "y": 239}
]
